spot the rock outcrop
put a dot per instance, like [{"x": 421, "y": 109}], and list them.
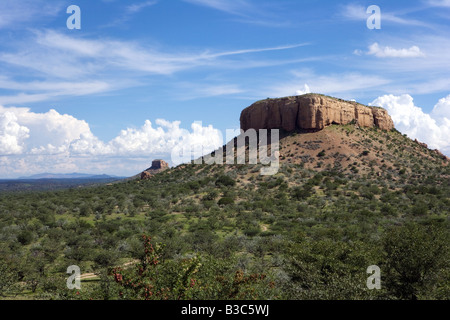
[
  {"x": 441, "y": 155},
  {"x": 146, "y": 175},
  {"x": 421, "y": 143},
  {"x": 311, "y": 112},
  {"x": 157, "y": 166},
  {"x": 436, "y": 151}
]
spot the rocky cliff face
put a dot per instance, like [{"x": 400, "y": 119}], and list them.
[
  {"x": 157, "y": 166},
  {"x": 311, "y": 112}
]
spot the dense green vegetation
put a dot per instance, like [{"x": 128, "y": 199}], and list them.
[
  {"x": 50, "y": 184},
  {"x": 226, "y": 232}
]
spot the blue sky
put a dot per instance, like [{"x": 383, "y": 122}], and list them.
[{"x": 130, "y": 85}]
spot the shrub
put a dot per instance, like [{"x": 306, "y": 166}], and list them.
[
  {"x": 224, "y": 180},
  {"x": 252, "y": 231},
  {"x": 212, "y": 195},
  {"x": 25, "y": 237},
  {"x": 200, "y": 278},
  {"x": 300, "y": 193},
  {"x": 414, "y": 255},
  {"x": 225, "y": 201},
  {"x": 321, "y": 154}
]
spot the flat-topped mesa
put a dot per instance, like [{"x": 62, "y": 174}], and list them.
[
  {"x": 159, "y": 164},
  {"x": 311, "y": 112},
  {"x": 157, "y": 167}
]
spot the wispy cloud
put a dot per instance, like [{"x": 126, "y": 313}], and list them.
[
  {"x": 201, "y": 90},
  {"x": 16, "y": 13},
  {"x": 439, "y": 3},
  {"x": 257, "y": 50},
  {"x": 421, "y": 70},
  {"x": 344, "y": 84},
  {"x": 128, "y": 12},
  {"x": 358, "y": 12},
  {"x": 235, "y": 7},
  {"x": 261, "y": 13},
  {"x": 35, "y": 91},
  {"x": 388, "y": 52},
  {"x": 136, "y": 7},
  {"x": 101, "y": 65},
  {"x": 51, "y": 49}
]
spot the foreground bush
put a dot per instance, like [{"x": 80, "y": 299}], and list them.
[{"x": 190, "y": 278}]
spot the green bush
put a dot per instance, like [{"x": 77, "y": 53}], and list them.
[
  {"x": 416, "y": 258},
  {"x": 25, "y": 237},
  {"x": 200, "y": 278},
  {"x": 224, "y": 180},
  {"x": 225, "y": 201}
]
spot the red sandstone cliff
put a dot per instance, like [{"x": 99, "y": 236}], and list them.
[{"x": 311, "y": 111}]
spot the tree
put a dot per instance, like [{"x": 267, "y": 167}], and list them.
[
  {"x": 34, "y": 271},
  {"x": 212, "y": 195},
  {"x": 25, "y": 237},
  {"x": 414, "y": 258},
  {"x": 225, "y": 201},
  {"x": 8, "y": 278},
  {"x": 301, "y": 193},
  {"x": 224, "y": 180},
  {"x": 327, "y": 270}
]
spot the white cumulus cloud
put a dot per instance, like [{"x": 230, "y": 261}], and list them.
[
  {"x": 442, "y": 108},
  {"x": 432, "y": 129},
  {"x": 149, "y": 140},
  {"x": 52, "y": 142},
  {"x": 12, "y": 134},
  {"x": 49, "y": 132}
]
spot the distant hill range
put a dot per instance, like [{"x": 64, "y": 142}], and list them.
[
  {"x": 55, "y": 181},
  {"x": 74, "y": 175}
]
